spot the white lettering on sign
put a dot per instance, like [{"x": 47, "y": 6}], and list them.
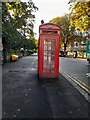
[
  {"x": 88, "y": 55},
  {"x": 89, "y": 47}
]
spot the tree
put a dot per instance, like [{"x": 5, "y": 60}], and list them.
[
  {"x": 32, "y": 43},
  {"x": 80, "y": 14},
  {"x": 17, "y": 22},
  {"x": 23, "y": 18},
  {"x": 66, "y": 32}
]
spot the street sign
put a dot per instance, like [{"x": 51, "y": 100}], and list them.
[{"x": 88, "y": 49}]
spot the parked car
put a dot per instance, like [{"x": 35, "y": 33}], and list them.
[
  {"x": 88, "y": 59},
  {"x": 62, "y": 53},
  {"x": 30, "y": 52}
]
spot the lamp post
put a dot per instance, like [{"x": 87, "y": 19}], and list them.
[{"x": 82, "y": 46}]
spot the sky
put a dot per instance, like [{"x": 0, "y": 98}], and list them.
[{"x": 49, "y": 9}]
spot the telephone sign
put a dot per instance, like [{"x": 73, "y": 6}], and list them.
[{"x": 88, "y": 49}]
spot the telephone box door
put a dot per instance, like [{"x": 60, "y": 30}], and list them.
[{"x": 50, "y": 56}]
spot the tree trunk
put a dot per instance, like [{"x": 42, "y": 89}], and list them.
[
  {"x": 4, "y": 55},
  {"x": 65, "y": 47},
  {"x": 6, "y": 47}
]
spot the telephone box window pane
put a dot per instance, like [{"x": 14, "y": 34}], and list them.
[{"x": 49, "y": 54}]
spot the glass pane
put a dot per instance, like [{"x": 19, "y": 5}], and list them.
[{"x": 49, "y": 55}]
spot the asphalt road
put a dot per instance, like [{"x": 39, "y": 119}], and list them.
[
  {"x": 26, "y": 97},
  {"x": 77, "y": 72},
  {"x": 78, "y": 68}
]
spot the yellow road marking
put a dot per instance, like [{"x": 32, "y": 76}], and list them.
[
  {"x": 78, "y": 82},
  {"x": 81, "y": 84}
]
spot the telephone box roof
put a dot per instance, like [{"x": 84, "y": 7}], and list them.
[{"x": 49, "y": 26}]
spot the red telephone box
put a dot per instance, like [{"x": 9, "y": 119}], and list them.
[{"x": 48, "y": 50}]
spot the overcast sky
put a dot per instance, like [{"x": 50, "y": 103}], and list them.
[{"x": 49, "y": 9}]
